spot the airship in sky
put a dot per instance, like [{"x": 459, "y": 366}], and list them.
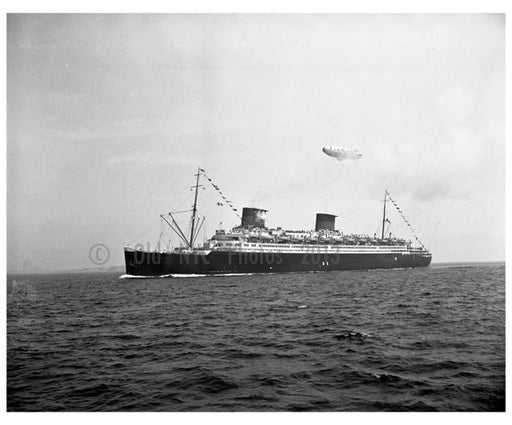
[{"x": 341, "y": 153}]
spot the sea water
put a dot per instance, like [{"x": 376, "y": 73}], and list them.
[{"x": 378, "y": 340}]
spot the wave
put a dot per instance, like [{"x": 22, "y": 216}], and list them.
[
  {"x": 366, "y": 341},
  {"x": 354, "y": 335},
  {"x": 132, "y": 276},
  {"x": 177, "y": 275},
  {"x": 202, "y": 379}
]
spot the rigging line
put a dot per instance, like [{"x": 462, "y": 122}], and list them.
[
  {"x": 186, "y": 200},
  {"x": 167, "y": 239},
  {"x": 406, "y": 221},
  {"x": 175, "y": 231},
  {"x": 181, "y": 234},
  {"x": 194, "y": 208},
  {"x": 180, "y": 212},
  {"x": 222, "y": 195},
  {"x": 378, "y": 221},
  {"x": 167, "y": 236},
  {"x": 198, "y": 230},
  {"x": 160, "y": 238},
  {"x": 388, "y": 230},
  {"x": 169, "y": 242},
  {"x": 386, "y": 195},
  {"x": 150, "y": 227},
  {"x": 204, "y": 232},
  {"x": 185, "y": 191}
]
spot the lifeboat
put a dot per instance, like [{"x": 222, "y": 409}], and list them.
[
  {"x": 312, "y": 237},
  {"x": 265, "y": 236},
  {"x": 297, "y": 238},
  {"x": 349, "y": 241}
]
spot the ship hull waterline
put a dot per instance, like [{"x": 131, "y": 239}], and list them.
[{"x": 153, "y": 264}]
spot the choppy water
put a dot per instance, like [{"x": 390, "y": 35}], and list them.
[{"x": 424, "y": 339}]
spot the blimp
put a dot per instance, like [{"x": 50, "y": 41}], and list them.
[{"x": 341, "y": 153}]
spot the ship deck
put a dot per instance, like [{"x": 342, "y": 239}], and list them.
[{"x": 241, "y": 247}]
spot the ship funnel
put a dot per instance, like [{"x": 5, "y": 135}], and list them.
[
  {"x": 253, "y": 217},
  {"x": 325, "y": 221}
]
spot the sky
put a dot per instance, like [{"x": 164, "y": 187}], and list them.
[{"x": 109, "y": 116}]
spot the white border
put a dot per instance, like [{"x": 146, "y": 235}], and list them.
[{"x": 261, "y": 6}]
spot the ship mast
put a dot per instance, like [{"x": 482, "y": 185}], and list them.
[
  {"x": 384, "y": 214},
  {"x": 194, "y": 209}
]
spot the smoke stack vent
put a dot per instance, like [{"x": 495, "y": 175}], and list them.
[
  {"x": 325, "y": 222},
  {"x": 253, "y": 217}
]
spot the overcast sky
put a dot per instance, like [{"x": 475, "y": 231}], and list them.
[{"x": 109, "y": 116}]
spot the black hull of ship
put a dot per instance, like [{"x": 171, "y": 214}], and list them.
[{"x": 152, "y": 264}]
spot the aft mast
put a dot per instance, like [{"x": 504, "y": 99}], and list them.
[{"x": 384, "y": 213}]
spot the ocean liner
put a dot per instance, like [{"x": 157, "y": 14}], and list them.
[{"x": 251, "y": 247}]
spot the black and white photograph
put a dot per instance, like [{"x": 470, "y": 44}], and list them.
[{"x": 255, "y": 212}]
